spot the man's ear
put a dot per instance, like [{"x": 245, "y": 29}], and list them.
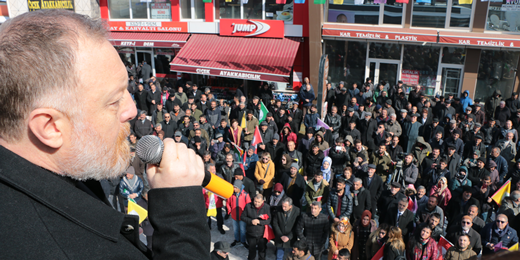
[{"x": 49, "y": 126}]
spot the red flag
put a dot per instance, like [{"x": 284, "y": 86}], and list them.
[
  {"x": 268, "y": 232},
  {"x": 444, "y": 245},
  {"x": 280, "y": 2},
  {"x": 379, "y": 254},
  {"x": 257, "y": 137}
]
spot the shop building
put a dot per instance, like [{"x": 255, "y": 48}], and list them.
[
  {"x": 216, "y": 43},
  {"x": 4, "y": 12},
  {"x": 445, "y": 46}
]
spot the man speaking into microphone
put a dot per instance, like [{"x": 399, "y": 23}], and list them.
[{"x": 63, "y": 127}]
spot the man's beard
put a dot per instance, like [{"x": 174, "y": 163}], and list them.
[{"x": 93, "y": 157}]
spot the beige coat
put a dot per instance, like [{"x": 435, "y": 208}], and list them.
[
  {"x": 344, "y": 240},
  {"x": 261, "y": 171}
]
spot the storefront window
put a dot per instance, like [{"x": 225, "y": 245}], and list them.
[
  {"x": 347, "y": 61},
  {"x": 192, "y": 9},
  {"x": 163, "y": 57},
  {"x": 127, "y": 55},
  {"x": 391, "y": 51},
  {"x": 251, "y": 9},
  {"x": 496, "y": 72},
  {"x": 424, "y": 61},
  {"x": 433, "y": 13},
  {"x": 365, "y": 12},
  {"x": 503, "y": 16},
  {"x": 453, "y": 55},
  {"x": 136, "y": 9}
]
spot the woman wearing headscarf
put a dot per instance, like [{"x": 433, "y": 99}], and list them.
[
  {"x": 442, "y": 192},
  {"x": 326, "y": 168},
  {"x": 283, "y": 167},
  {"x": 277, "y": 197},
  {"x": 341, "y": 236},
  {"x": 363, "y": 227},
  {"x": 395, "y": 246},
  {"x": 376, "y": 240}
]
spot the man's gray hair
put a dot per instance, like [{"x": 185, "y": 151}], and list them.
[
  {"x": 38, "y": 56},
  {"x": 405, "y": 200},
  {"x": 316, "y": 203},
  {"x": 357, "y": 180},
  {"x": 287, "y": 200},
  {"x": 421, "y": 188},
  {"x": 259, "y": 196},
  {"x": 208, "y": 165}
]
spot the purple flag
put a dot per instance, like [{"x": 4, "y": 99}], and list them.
[
  {"x": 320, "y": 124},
  {"x": 379, "y": 1},
  {"x": 498, "y": 246},
  {"x": 326, "y": 152}
]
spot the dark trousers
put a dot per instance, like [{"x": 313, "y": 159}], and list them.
[
  {"x": 316, "y": 250},
  {"x": 253, "y": 243},
  {"x": 220, "y": 219},
  {"x": 267, "y": 193}
]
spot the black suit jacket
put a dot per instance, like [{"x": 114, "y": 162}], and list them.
[
  {"x": 42, "y": 211},
  {"x": 375, "y": 188},
  {"x": 405, "y": 221}
]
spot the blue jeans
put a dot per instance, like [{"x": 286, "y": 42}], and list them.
[
  {"x": 239, "y": 227},
  {"x": 280, "y": 252}
]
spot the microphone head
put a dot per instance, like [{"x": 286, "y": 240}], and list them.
[{"x": 150, "y": 149}]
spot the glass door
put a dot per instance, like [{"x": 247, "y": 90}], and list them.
[
  {"x": 146, "y": 56},
  {"x": 451, "y": 80},
  {"x": 383, "y": 70}
]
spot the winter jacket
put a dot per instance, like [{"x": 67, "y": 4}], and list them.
[
  {"x": 250, "y": 213},
  {"x": 338, "y": 240},
  {"x": 141, "y": 129},
  {"x": 236, "y": 204},
  {"x": 394, "y": 127},
  {"x": 321, "y": 194},
  {"x": 324, "y": 145},
  {"x": 213, "y": 116},
  {"x": 333, "y": 121},
  {"x": 475, "y": 241},
  {"x": 125, "y": 187},
  {"x": 285, "y": 226},
  {"x": 339, "y": 159},
  {"x": 466, "y": 101},
  {"x": 382, "y": 162},
  {"x": 502, "y": 115},
  {"x": 296, "y": 191},
  {"x": 250, "y": 127},
  {"x": 313, "y": 230},
  {"x": 411, "y": 173},
  {"x": 361, "y": 201},
  {"x": 304, "y": 94},
  {"x": 177, "y": 117},
  {"x": 219, "y": 202},
  {"x": 507, "y": 149},
  {"x": 346, "y": 205},
  {"x": 489, "y": 235},
  {"x": 421, "y": 151},
  {"x": 289, "y": 137},
  {"x": 455, "y": 253},
  {"x": 387, "y": 201},
  {"x": 367, "y": 128},
  {"x": 312, "y": 162},
  {"x": 265, "y": 172},
  {"x": 416, "y": 251},
  {"x": 228, "y": 172}
]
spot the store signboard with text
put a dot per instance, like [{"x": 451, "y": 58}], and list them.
[
  {"x": 390, "y": 36},
  {"x": 149, "y": 26},
  {"x": 410, "y": 77},
  {"x": 248, "y": 75},
  {"x": 50, "y": 4},
  {"x": 252, "y": 28}
]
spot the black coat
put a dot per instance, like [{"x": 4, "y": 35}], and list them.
[
  {"x": 140, "y": 99},
  {"x": 364, "y": 202},
  {"x": 169, "y": 129},
  {"x": 366, "y": 129},
  {"x": 295, "y": 192},
  {"x": 406, "y": 223},
  {"x": 375, "y": 188},
  {"x": 387, "y": 202},
  {"x": 47, "y": 216},
  {"x": 250, "y": 213},
  {"x": 455, "y": 207},
  {"x": 313, "y": 230},
  {"x": 285, "y": 227},
  {"x": 276, "y": 152}
]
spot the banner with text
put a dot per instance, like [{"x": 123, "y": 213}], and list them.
[{"x": 49, "y": 4}]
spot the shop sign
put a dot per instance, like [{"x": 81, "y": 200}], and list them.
[
  {"x": 380, "y": 35},
  {"x": 46, "y": 4},
  {"x": 130, "y": 43},
  {"x": 410, "y": 77},
  {"x": 149, "y": 26},
  {"x": 160, "y": 11},
  {"x": 252, "y": 28},
  {"x": 230, "y": 74},
  {"x": 480, "y": 42}
]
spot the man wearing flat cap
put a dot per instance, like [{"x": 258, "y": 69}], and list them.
[
  {"x": 221, "y": 251},
  {"x": 389, "y": 199}
]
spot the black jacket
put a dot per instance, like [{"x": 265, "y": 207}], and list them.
[
  {"x": 364, "y": 202},
  {"x": 406, "y": 223},
  {"x": 313, "y": 230},
  {"x": 46, "y": 216},
  {"x": 276, "y": 152},
  {"x": 474, "y": 237},
  {"x": 346, "y": 205},
  {"x": 375, "y": 188},
  {"x": 295, "y": 192},
  {"x": 455, "y": 207},
  {"x": 283, "y": 226},
  {"x": 250, "y": 213},
  {"x": 387, "y": 202}
]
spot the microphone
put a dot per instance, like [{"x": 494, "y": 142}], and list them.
[{"x": 150, "y": 150}]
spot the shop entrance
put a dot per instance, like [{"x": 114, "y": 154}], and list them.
[
  {"x": 387, "y": 70},
  {"x": 451, "y": 79},
  {"x": 143, "y": 55}
]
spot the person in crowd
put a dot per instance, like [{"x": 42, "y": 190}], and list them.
[
  {"x": 465, "y": 229},
  {"x": 228, "y": 168},
  {"x": 333, "y": 120},
  {"x": 131, "y": 186},
  {"x": 361, "y": 200},
  {"x": 310, "y": 118},
  {"x": 441, "y": 192},
  {"x": 341, "y": 236},
  {"x": 423, "y": 246},
  {"x": 423, "y": 213},
  {"x": 275, "y": 148},
  {"x": 381, "y": 159},
  {"x": 410, "y": 133},
  {"x": 235, "y": 206},
  {"x": 511, "y": 205},
  {"x": 461, "y": 250},
  {"x": 395, "y": 245},
  {"x": 390, "y": 198},
  {"x": 249, "y": 185},
  {"x": 459, "y": 182},
  {"x": 313, "y": 161},
  {"x": 284, "y": 227},
  {"x": 340, "y": 202},
  {"x": 362, "y": 228},
  {"x": 294, "y": 184},
  {"x": 317, "y": 189},
  {"x": 501, "y": 163},
  {"x": 220, "y": 251},
  {"x": 496, "y": 232},
  {"x": 264, "y": 174},
  {"x": 251, "y": 158},
  {"x": 373, "y": 183},
  {"x": 300, "y": 251},
  {"x": 256, "y": 215},
  {"x": 401, "y": 217},
  {"x": 460, "y": 203},
  {"x": 296, "y": 155},
  {"x": 213, "y": 200},
  {"x": 313, "y": 229},
  {"x": 376, "y": 240}
]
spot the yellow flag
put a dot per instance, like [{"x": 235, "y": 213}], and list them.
[
  {"x": 338, "y": 2},
  {"x": 514, "y": 247},
  {"x": 212, "y": 208},
  {"x": 243, "y": 124},
  {"x": 465, "y": 2},
  {"x": 503, "y": 192},
  {"x": 134, "y": 209}
]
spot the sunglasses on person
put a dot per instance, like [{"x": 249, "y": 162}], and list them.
[
  {"x": 466, "y": 222},
  {"x": 501, "y": 221}
]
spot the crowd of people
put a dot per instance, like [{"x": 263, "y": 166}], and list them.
[{"x": 383, "y": 168}]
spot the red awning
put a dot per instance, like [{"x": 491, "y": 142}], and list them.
[
  {"x": 166, "y": 40},
  {"x": 377, "y": 33},
  {"x": 232, "y": 57},
  {"x": 480, "y": 39}
]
